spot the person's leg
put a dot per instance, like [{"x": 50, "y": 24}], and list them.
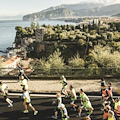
[
  {"x": 25, "y": 105},
  {"x": 35, "y": 112},
  {"x": 79, "y": 112},
  {"x": 30, "y": 105},
  {"x": 73, "y": 103},
  {"x": 56, "y": 113},
  {"x": 8, "y": 100}
]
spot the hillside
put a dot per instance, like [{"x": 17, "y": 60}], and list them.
[
  {"x": 117, "y": 15},
  {"x": 74, "y": 10},
  {"x": 49, "y": 14}
]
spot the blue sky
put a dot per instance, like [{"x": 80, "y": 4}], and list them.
[{"x": 23, "y": 7}]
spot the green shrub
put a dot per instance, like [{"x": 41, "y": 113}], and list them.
[{"x": 76, "y": 61}]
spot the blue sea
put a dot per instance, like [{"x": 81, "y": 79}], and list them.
[{"x": 7, "y": 30}]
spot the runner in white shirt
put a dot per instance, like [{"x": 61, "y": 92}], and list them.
[
  {"x": 73, "y": 97},
  {"x": 27, "y": 101},
  {"x": 4, "y": 91}
]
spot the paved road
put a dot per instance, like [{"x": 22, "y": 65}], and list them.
[{"x": 45, "y": 108}]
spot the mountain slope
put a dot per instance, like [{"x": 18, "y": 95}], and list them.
[
  {"x": 103, "y": 11},
  {"x": 62, "y": 11}
]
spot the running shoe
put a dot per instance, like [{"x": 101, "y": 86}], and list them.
[
  {"x": 25, "y": 111},
  {"x": 11, "y": 101},
  {"x": 10, "y": 105},
  {"x": 78, "y": 115},
  {"x": 54, "y": 117},
  {"x": 36, "y": 112}
]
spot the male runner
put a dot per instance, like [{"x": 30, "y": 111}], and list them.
[
  {"x": 73, "y": 97},
  {"x": 64, "y": 85},
  {"x": 21, "y": 72},
  {"x": 57, "y": 103},
  {"x": 110, "y": 93},
  {"x": 106, "y": 109},
  {"x": 87, "y": 107},
  {"x": 82, "y": 97},
  {"x": 105, "y": 95},
  {"x": 4, "y": 91},
  {"x": 27, "y": 101}
]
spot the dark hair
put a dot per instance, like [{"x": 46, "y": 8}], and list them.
[
  {"x": 81, "y": 90},
  {"x": 108, "y": 108},
  {"x": 117, "y": 99},
  {"x": 71, "y": 86},
  {"x": 107, "y": 103},
  {"x": 102, "y": 79},
  {"x": 1, "y": 83},
  {"x": 109, "y": 83}
]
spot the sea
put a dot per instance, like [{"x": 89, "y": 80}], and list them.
[{"x": 8, "y": 32}]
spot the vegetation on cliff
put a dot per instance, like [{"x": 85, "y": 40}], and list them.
[{"x": 92, "y": 45}]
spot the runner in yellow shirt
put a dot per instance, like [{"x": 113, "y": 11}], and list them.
[{"x": 111, "y": 115}]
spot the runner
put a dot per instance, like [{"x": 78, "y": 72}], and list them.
[
  {"x": 57, "y": 103},
  {"x": 24, "y": 83},
  {"x": 64, "y": 112},
  {"x": 102, "y": 81},
  {"x": 117, "y": 107},
  {"x": 82, "y": 97},
  {"x": 110, "y": 93},
  {"x": 4, "y": 91},
  {"x": 73, "y": 97},
  {"x": 64, "y": 85},
  {"x": 87, "y": 107},
  {"x": 27, "y": 100},
  {"x": 105, "y": 96},
  {"x": 106, "y": 109},
  {"x": 111, "y": 115},
  {"x": 21, "y": 72}
]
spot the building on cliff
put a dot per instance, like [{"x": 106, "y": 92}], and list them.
[{"x": 39, "y": 34}]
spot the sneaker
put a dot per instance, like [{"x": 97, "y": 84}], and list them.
[
  {"x": 36, "y": 112},
  {"x": 78, "y": 115},
  {"x": 10, "y": 105},
  {"x": 74, "y": 109},
  {"x": 68, "y": 117},
  {"x": 55, "y": 117},
  {"x": 25, "y": 111},
  {"x": 11, "y": 101}
]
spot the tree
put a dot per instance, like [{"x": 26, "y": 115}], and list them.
[
  {"x": 76, "y": 61},
  {"x": 33, "y": 25},
  {"x": 37, "y": 26},
  {"x": 56, "y": 61}
]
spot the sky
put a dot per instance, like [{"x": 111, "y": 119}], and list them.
[{"x": 23, "y": 7}]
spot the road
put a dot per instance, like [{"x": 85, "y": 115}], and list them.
[{"x": 45, "y": 108}]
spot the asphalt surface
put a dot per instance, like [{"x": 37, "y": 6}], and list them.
[{"x": 45, "y": 108}]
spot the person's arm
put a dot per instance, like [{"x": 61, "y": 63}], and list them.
[
  {"x": 107, "y": 94},
  {"x": 23, "y": 96},
  {"x": 91, "y": 109},
  {"x": 72, "y": 94},
  {"x": 65, "y": 83}
]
